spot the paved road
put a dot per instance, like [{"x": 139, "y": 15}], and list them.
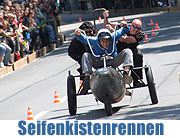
[{"x": 34, "y": 84}]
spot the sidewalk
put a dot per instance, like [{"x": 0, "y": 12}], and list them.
[{"x": 30, "y": 58}]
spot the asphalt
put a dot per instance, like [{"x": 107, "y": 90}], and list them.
[{"x": 34, "y": 84}]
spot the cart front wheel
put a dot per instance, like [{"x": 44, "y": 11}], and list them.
[
  {"x": 151, "y": 84},
  {"x": 71, "y": 92}
]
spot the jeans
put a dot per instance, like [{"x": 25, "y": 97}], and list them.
[
  {"x": 89, "y": 61},
  {"x": 50, "y": 32},
  {"x": 6, "y": 51}
]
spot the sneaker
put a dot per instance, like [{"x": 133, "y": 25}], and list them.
[
  {"x": 137, "y": 83},
  {"x": 127, "y": 77},
  {"x": 8, "y": 64},
  {"x": 86, "y": 85},
  {"x": 1, "y": 64}
]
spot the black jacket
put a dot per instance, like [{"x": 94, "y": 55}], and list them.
[
  {"x": 77, "y": 49},
  {"x": 122, "y": 45}
]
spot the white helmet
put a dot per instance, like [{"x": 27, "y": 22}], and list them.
[{"x": 104, "y": 34}]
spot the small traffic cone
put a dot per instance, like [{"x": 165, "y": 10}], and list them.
[
  {"x": 80, "y": 20},
  {"x": 30, "y": 115},
  {"x": 146, "y": 38},
  {"x": 152, "y": 24},
  {"x": 80, "y": 84},
  {"x": 157, "y": 26},
  {"x": 60, "y": 19},
  {"x": 153, "y": 33},
  {"x": 100, "y": 20},
  {"x": 56, "y": 98},
  {"x": 140, "y": 19},
  {"x": 123, "y": 18}
]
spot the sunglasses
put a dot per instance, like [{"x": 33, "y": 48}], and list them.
[
  {"x": 135, "y": 27},
  {"x": 88, "y": 32}
]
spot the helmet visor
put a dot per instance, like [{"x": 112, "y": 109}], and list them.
[{"x": 104, "y": 35}]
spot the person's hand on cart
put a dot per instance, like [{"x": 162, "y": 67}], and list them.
[
  {"x": 78, "y": 32},
  {"x": 106, "y": 13},
  {"x": 124, "y": 24}
]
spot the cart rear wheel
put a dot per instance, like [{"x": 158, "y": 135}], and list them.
[
  {"x": 151, "y": 84},
  {"x": 71, "y": 92}
]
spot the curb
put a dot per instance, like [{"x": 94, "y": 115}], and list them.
[
  {"x": 6, "y": 70},
  {"x": 20, "y": 63},
  {"x": 30, "y": 58}
]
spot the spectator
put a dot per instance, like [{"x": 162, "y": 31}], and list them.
[
  {"x": 173, "y": 3},
  {"x": 7, "y": 9},
  {"x": 26, "y": 24},
  {"x": 131, "y": 41},
  {"x": 46, "y": 31},
  {"x": 54, "y": 7},
  {"x": 5, "y": 50},
  {"x": 103, "y": 44},
  {"x": 39, "y": 14},
  {"x": 77, "y": 48},
  {"x": 2, "y": 51},
  {"x": 34, "y": 22},
  {"x": 8, "y": 3},
  {"x": 30, "y": 5},
  {"x": 48, "y": 28},
  {"x": 62, "y": 6},
  {"x": 9, "y": 40},
  {"x": 25, "y": 16}
]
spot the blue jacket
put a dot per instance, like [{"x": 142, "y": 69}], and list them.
[{"x": 96, "y": 46}]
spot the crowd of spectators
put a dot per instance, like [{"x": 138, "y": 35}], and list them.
[
  {"x": 127, "y": 4},
  {"x": 25, "y": 26},
  {"x": 165, "y": 3}
]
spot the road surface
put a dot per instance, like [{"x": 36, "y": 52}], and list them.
[{"x": 34, "y": 85}]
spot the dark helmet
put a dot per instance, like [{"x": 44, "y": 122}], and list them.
[
  {"x": 104, "y": 34},
  {"x": 87, "y": 25}
]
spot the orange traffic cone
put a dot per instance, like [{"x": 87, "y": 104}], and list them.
[
  {"x": 80, "y": 20},
  {"x": 123, "y": 18},
  {"x": 80, "y": 84},
  {"x": 152, "y": 24},
  {"x": 140, "y": 19},
  {"x": 30, "y": 115},
  {"x": 100, "y": 20},
  {"x": 153, "y": 33},
  {"x": 146, "y": 38},
  {"x": 61, "y": 21},
  {"x": 157, "y": 26},
  {"x": 56, "y": 98}
]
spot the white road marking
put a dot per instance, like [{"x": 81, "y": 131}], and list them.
[
  {"x": 72, "y": 34},
  {"x": 40, "y": 114},
  {"x": 65, "y": 42},
  {"x": 156, "y": 33},
  {"x": 140, "y": 46},
  {"x": 63, "y": 99}
]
